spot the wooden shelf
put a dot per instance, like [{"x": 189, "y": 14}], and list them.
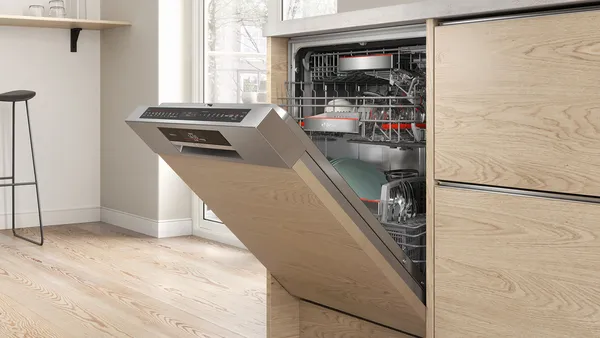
[
  {"x": 46, "y": 22},
  {"x": 75, "y": 25}
]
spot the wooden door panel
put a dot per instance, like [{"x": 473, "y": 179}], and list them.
[
  {"x": 517, "y": 103},
  {"x": 515, "y": 266},
  {"x": 304, "y": 239}
]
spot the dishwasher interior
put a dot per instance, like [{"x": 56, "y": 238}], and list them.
[{"x": 363, "y": 106}]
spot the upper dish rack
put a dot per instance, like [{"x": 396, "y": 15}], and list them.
[
  {"x": 377, "y": 95},
  {"x": 354, "y": 65}
]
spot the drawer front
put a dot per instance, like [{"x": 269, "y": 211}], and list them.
[
  {"x": 517, "y": 103},
  {"x": 515, "y": 266}
]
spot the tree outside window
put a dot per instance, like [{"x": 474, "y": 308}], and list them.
[
  {"x": 298, "y": 9},
  {"x": 235, "y": 45}
]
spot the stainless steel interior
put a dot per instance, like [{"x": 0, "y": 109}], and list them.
[
  {"x": 365, "y": 99},
  {"x": 381, "y": 90}
]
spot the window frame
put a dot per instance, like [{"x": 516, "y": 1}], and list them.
[{"x": 200, "y": 72}]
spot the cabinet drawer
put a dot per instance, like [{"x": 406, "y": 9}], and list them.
[
  {"x": 515, "y": 266},
  {"x": 517, "y": 103}
]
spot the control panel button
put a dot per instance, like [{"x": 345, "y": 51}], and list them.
[{"x": 199, "y": 114}]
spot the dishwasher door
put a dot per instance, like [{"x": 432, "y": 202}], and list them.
[{"x": 263, "y": 177}]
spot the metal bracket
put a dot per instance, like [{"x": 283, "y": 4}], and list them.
[{"x": 74, "y": 38}]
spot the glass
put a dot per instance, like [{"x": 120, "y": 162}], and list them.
[
  {"x": 240, "y": 20},
  {"x": 298, "y": 9},
  {"x": 209, "y": 215},
  {"x": 235, "y": 79},
  {"x": 36, "y": 10},
  {"x": 56, "y": 3},
  {"x": 57, "y": 12},
  {"x": 235, "y": 51}
]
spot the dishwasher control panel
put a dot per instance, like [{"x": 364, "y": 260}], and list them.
[{"x": 196, "y": 114}]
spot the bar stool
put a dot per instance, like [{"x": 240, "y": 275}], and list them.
[{"x": 14, "y": 97}]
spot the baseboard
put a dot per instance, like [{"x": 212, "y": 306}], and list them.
[
  {"x": 175, "y": 228},
  {"x": 147, "y": 226},
  {"x": 51, "y": 217},
  {"x": 217, "y": 232},
  {"x": 129, "y": 221}
]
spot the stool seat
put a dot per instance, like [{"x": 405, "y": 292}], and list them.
[{"x": 17, "y": 96}]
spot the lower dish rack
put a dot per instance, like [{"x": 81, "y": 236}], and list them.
[{"x": 410, "y": 235}]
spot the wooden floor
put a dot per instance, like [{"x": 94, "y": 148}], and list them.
[{"x": 92, "y": 280}]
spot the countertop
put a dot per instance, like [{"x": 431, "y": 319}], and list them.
[{"x": 409, "y": 13}]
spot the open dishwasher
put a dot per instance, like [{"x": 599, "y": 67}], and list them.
[
  {"x": 363, "y": 105},
  {"x": 280, "y": 176}
]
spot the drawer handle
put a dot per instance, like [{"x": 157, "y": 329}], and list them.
[{"x": 521, "y": 192}]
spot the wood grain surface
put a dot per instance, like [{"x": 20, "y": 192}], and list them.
[
  {"x": 282, "y": 308},
  {"x": 517, "y": 103},
  {"x": 283, "y": 311},
  {"x": 319, "y": 322},
  {"x": 430, "y": 179},
  {"x": 515, "y": 266},
  {"x": 47, "y": 22},
  {"x": 93, "y": 280},
  {"x": 291, "y": 317},
  {"x": 277, "y": 68},
  {"x": 279, "y": 218}
]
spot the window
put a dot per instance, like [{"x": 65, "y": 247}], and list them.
[
  {"x": 252, "y": 41},
  {"x": 208, "y": 215},
  {"x": 235, "y": 69},
  {"x": 235, "y": 51},
  {"x": 298, "y": 9}
]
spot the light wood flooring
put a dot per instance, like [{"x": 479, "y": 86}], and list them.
[{"x": 93, "y": 280}]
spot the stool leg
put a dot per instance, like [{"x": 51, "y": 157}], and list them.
[
  {"x": 37, "y": 192},
  {"x": 13, "y": 169}
]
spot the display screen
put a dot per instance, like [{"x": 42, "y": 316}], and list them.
[
  {"x": 196, "y": 114},
  {"x": 195, "y": 136}
]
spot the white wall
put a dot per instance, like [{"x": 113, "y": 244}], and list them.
[
  {"x": 19, "y": 7},
  {"x": 129, "y": 79},
  {"x": 139, "y": 192},
  {"x": 65, "y": 120},
  {"x": 174, "y": 85}
]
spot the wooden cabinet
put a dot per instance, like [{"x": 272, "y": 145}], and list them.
[
  {"x": 517, "y": 103},
  {"x": 515, "y": 266}
]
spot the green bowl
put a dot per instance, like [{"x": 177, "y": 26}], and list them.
[{"x": 364, "y": 178}]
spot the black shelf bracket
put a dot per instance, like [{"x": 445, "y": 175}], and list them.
[{"x": 74, "y": 38}]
